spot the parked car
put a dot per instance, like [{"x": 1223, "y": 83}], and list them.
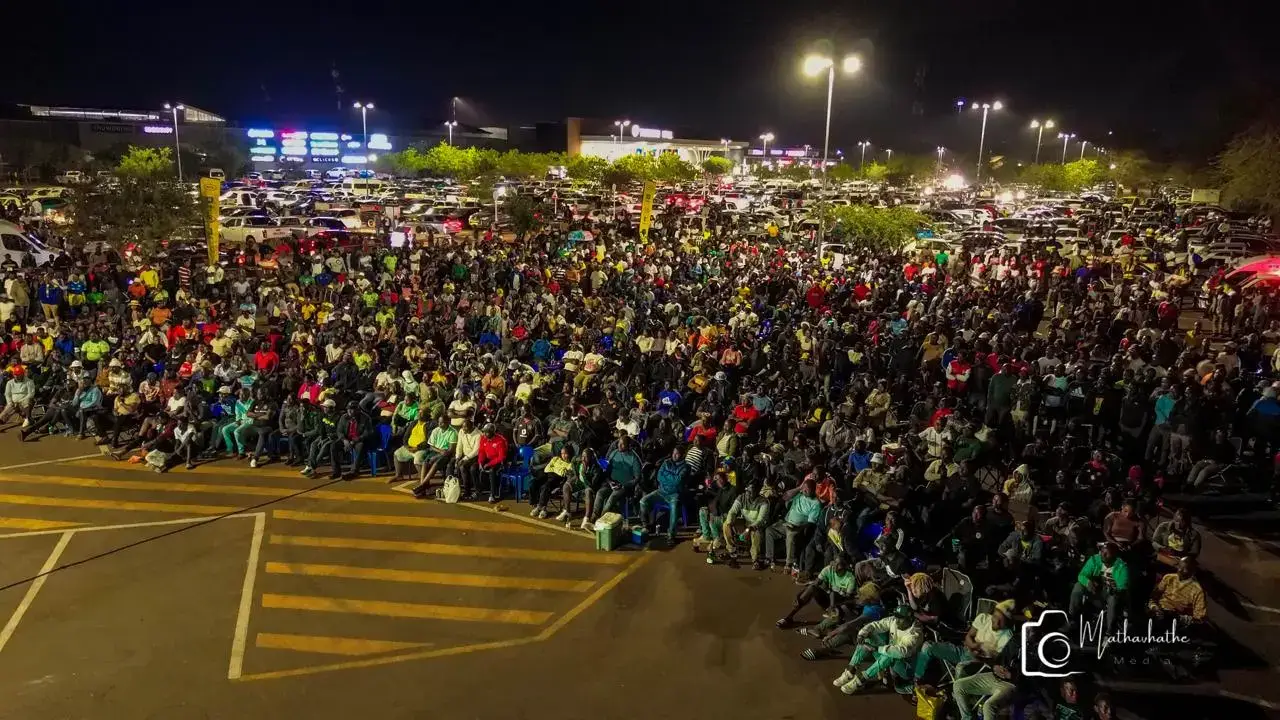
[{"x": 24, "y": 249}]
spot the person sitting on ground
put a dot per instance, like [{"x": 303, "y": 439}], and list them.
[
  {"x": 1103, "y": 580},
  {"x": 1176, "y": 538},
  {"x": 987, "y": 636},
  {"x": 832, "y": 590},
  {"x": 836, "y": 630},
  {"x": 890, "y": 644}
]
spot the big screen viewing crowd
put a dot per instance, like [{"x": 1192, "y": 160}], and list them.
[{"x": 880, "y": 432}]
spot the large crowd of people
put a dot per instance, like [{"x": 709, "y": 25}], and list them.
[{"x": 904, "y": 435}]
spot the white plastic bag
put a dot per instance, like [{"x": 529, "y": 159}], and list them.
[{"x": 451, "y": 491}]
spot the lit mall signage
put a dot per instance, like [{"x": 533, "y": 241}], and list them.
[
  {"x": 650, "y": 133},
  {"x": 797, "y": 153},
  {"x": 157, "y": 129},
  {"x": 303, "y": 146}
]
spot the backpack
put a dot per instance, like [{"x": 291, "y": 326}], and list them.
[{"x": 450, "y": 491}]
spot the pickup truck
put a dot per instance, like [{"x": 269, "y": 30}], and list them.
[{"x": 251, "y": 229}]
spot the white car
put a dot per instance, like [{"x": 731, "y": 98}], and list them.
[
  {"x": 72, "y": 177},
  {"x": 317, "y": 225},
  {"x": 23, "y": 249},
  {"x": 252, "y": 229}
]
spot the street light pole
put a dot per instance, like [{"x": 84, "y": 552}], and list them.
[
  {"x": 1040, "y": 135},
  {"x": 826, "y": 133},
  {"x": 1083, "y": 144},
  {"x": 982, "y": 136},
  {"x": 766, "y": 139},
  {"x": 1066, "y": 138},
  {"x": 451, "y": 125},
  {"x": 622, "y": 126},
  {"x": 863, "y": 161},
  {"x": 177, "y": 146},
  {"x": 364, "y": 109}
]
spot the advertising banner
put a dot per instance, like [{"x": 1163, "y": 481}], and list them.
[{"x": 211, "y": 190}]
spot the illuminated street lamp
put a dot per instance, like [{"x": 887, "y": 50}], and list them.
[
  {"x": 364, "y": 109},
  {"x": 814, "y": 65},
  {"x": 1083, "y": 144},
  {"x": 1065, "y": 138},
  {"x": 890, "y": 158},
  {"x": 864, "y": 145},
  {"x": 982, "y": 137},
  {"x": 451, "y": 125},
  {"x": 724, "y": 143},
  {"x": 177, "y": 147},
  {"x": 1047, "y": 124},
  {"x": 622, "y": 126},
  {"x": 766, "y": 139}
]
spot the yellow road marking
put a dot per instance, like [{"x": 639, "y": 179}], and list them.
[
  {"x": 42, "y": 501},
  {"x": 432, "y": 578},
  {"x": 32, "y": 524},
  {"x": 409, "y": 521},
  {"x": 331, "y": 645},
  {"x": 164, "y": 486},
  {"x": 474, "y": 551},
  {"x": 405, "y": 610},
  {"x": 546, "y": 634}
]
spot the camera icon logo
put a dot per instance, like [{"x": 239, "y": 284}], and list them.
[{"x": 1046, "y": 652}]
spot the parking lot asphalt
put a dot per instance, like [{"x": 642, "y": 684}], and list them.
[{"x": 236, "y": 592}]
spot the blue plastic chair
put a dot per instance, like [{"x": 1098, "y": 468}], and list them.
[
  {"x": 660, "y": 505},
  {"x": 385, "y": 432},
  {"x": 518, "y": 475}
]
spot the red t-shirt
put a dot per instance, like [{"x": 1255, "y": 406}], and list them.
[{"x": 265, "y": 361}]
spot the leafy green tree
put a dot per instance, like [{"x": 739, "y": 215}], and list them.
[
  {"x": 146, "y": 163},
  {"x": 1248, "y": 170},
  {"x": 716, "y": 165},
  {"x": 797, "y": 172},
  {"x": 526, "y": 214},
  {"x": 144, "y": 207},
  {"x": 875, "y": 172},
  {"x": 842, "y": 172},
  {"x": 874, "y": 229},
  {"x": 586, "y": 167},
  {"x": 670, "y": 168}
]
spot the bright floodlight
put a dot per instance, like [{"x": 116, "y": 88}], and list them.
[
  {"x": 767, "y": 137},
  {"x": 1113, "y": 166},
  {"x": 852, "y": 64},
  {"x": 997, "y": 105},
  {"x": 814, "y": 64},
  {"x": 954, "y": 182},
  {"x": 975, "y": 106},
  {"x": 1048, "y": 124}
]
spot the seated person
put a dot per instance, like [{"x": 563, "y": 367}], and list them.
[
  {"x": 890, "y": 644},
  {"x": 1103, "y": 580},
  {"x": 986, "y": 637},
  {"x": 1058, "y": 524},
  {"x": 1175, "y": 539},
  {"x": 832, "y": 590},
  {"x": 837, "y": 630},
  {"x": 553, "y": 476},
  {"x": 803, "y": 512},
  {"x": 750, "y": 510},
  {"x": 1179, "y": 595},
  {"x": 973, "y": 540},
  {"x": 1125, "y": 527},
  {"x": 892, "y": 562},
  {"x": 925, "y": 599}
]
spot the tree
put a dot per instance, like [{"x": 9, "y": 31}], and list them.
[
  {"x": 797, "y": 172},
  {"x": 716, "y": 165},
  {"x": 670, "y": 168},
  {"x": 875, "y": 172},
  {"x": 146, "y": 163},
  {"x": 875, "y": 229},
  {"x": 1248, "y": 170},
  {"x": 144, "y": 207},
  {"x": 586, "y": 167},
  {"x": 525, "y": 213},
  {"x": 842, "y": 172}
]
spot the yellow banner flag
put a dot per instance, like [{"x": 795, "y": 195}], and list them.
[
  {"x": 646, "y": 210},
  {"x": 211, "y": 190}
]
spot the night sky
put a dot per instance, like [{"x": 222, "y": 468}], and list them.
[{"x": 1169, "y": 82}]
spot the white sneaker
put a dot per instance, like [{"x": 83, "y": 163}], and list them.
[
  {"x": 253, "y": 463},
  {"x": 586, "y": 525},
  {"x": 542, "y": 513},
  {"x": 845, "y": 677},
  {"x": 852, "y": 686},
  {"x": 563, "y": 516},
  {"x": 534, "y": 511}
]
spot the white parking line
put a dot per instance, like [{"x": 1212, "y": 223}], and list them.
[
  {"x": 34, "y": 589},
  {"x": 55, "y": 461},
  {"x": 124, "y": 526}
]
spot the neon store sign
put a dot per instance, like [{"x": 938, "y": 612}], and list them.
[{"x": 270, "y": 145}]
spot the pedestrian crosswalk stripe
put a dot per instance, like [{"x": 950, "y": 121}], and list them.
[
  {"x": 210, "y": 488},
  {"x": 431, "y": 578},
  {"x": 410, "y": 521},
  {"x": 331, "y": 645},
  {"x": 404, "y": 610},
  {"x": 471, "y": 551},
  {"x": 42, "y": 501},
  {"x": 33, "y": 524}
]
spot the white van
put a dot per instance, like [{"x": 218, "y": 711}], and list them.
[
  {"x": 238, "y": 198},
  {"x": 362, "y": 186},
  {"x": 23, "y": 249}
]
